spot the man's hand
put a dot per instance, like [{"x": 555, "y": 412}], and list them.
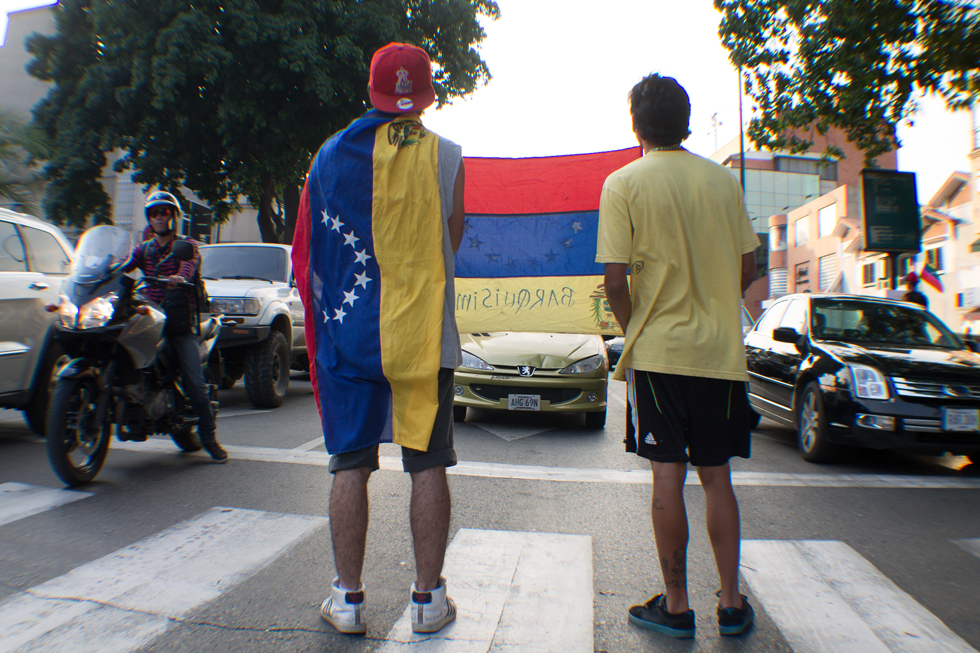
[{"x": 175, "y": 279}]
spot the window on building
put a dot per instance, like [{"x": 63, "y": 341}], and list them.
[
  {"x": 826, "y": 220},
  {"x": 869, "y": 275},
  {"x": 934, "y": 257},
  {"x": 827, "y": 170},
  {"x": 827, "y": 271},
  {"x": 802, "y": 275},
  {"x": 801, "y": 231},
  {"x": 778, "y": 284},
  {"x": 777, "y": 238}
]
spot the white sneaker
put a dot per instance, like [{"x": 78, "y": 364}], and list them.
[
  {"x": 344, "y": 610},
  {"x": 431, "y": 610}
]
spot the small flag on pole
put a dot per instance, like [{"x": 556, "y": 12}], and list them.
[{"x": 928, "y": 275}]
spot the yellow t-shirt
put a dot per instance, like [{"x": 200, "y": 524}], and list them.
[{"x": 679, "y": 221}]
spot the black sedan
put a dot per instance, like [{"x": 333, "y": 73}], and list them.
[{"x": 864, "y": 371}]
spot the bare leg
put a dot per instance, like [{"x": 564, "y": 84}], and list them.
[
  {"x": 723, "y": 529},
  {"x": 430, "y": 514},
  {"x": 670, "y": 530},
  {"x": 348, "y": 524}
]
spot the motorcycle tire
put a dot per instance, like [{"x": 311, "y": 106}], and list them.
[
  {"x": 187, "y": 439},
  {"x": 77, "y": 444}
]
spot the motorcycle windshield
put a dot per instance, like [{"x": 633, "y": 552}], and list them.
[{"x": 101, "y": 251}]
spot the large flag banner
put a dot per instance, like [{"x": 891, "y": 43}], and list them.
[
  {"x": 527, "y": 260},
  {"x": 372, "y": 277}
]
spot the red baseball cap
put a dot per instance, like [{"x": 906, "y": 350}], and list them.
[{"x": 401, "y": 79}]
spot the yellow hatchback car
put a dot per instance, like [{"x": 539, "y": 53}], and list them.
[{"x": 535, "y": 372}]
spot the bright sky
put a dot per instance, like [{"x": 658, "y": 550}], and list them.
[{"x": 560, "y": 79}]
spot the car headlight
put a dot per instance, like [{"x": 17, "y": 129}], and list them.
[
  {"x": 869, "y": 383},
  {"x": 471, "y": 361},
  {"x": 584, "y": 366},
  {"x": 97, "y": 312},
  {"x": 68, "y": 313},
  {"x": 231, "y": 306}
]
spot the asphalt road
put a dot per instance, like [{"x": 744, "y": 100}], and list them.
[{"x": 168, "y": 552}]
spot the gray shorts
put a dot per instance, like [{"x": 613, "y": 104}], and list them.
[{"x": 440, "y": 452}]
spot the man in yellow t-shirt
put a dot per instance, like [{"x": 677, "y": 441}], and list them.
[{"x": 676, "y": 223}]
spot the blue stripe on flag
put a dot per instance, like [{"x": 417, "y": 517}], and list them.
[
  {"x": 550, "y": 245},
  {"x": 348, "y": 347}
]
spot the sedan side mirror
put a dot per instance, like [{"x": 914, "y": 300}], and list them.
[
  {"x": 183, "y": 250},
  {"x": 785, "y": 334}
]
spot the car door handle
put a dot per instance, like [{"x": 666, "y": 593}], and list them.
[{"x": 39, "y": 285}]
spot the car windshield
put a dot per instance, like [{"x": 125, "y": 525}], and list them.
[
  {"x": 866, "y": 322},
  {"x": 246, "y": 262},
  {"x": 101, "y": 250}
]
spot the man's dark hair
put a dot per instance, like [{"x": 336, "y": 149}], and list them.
[{"x": 661, "y": 110}]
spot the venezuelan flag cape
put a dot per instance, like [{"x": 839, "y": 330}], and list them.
[
  {"x": 527, "y": 260},
  {"x": 368, "y": 260}
]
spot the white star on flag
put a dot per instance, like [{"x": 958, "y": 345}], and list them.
[
  {"x": 336, "y": 224},
  {"x": 350, "y": 239},
  {"x": 349, "y": 297},
  {"x": 362, "y": 280},
  {"x": 339, "y": 314},
  {"x": 325, "y": 216},
  {"x": 576, "y": 227},
  {"x": 325, "y": 317},
  {"x": 362, "y": 257}
]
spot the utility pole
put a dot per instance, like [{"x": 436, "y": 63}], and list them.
[{"x": 741, "y": 133}]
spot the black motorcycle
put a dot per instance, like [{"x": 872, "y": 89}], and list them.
[{"x": 122, "y": 372}]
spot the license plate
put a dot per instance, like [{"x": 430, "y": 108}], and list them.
[
  {"x": 961, "y": 419},
  {"x": 523, "y": 402}
]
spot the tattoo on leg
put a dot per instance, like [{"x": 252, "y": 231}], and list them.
[
  {"x": 680, "y": 563},
  {"x": 656, "y": 505}
]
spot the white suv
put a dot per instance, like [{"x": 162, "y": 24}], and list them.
[{"x": 35, "y": 258}]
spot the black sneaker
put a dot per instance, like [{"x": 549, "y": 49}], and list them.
[
  {"x": 654, "y": 615},
  {"x": 735, "y": 621},
  {"x": 218, "y": 454}
]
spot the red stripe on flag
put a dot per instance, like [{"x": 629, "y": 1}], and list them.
[
  {"x": 301, "y": 273},
  {"x": 554, "y": 184}
]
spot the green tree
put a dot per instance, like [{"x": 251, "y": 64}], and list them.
[
  {"x": 227, "y": 99},
  {"x": 20, "y": 180},
  {"x": 857, "y": 65}
]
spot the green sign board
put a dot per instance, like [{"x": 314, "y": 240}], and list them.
[{"x": 891, "y": 211}]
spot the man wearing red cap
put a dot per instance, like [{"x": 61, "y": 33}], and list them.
[
  {"x": 913, "y": 295},
  {"x": 380, "y": 219}
]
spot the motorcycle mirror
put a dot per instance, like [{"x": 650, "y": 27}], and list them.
[{"x": 183, "y": 250}]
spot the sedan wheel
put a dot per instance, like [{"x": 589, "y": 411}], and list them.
[{"x": 812, "y": 428}]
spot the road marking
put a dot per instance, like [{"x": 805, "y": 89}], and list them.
[
  {"x": 241, "y": 412},
  {"x": 514, "y": 592},
  {"x": 19, "y": 500},
  {"x": 825, "y": 597},
  {"x": 585, "y": 475},
  {"x": 124, "y": 600},
  {"x": 312, "y": 444},
  {"x": 970, "y": 546},
  {"x": 510, "y": 433}
]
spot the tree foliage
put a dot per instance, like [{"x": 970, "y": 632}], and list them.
[
  {"x": 227, "y": 99},
  {"x": 857, "y": 65},
  {"x": 21, "y": 145}
]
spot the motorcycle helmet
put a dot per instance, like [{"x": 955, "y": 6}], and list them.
[{"x": 163, "y": 198}]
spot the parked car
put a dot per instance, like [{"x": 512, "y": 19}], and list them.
[
  {"x": 533, "y": 371},
  {"x": 35, "y": 257},
  {"x": 262, "y": 335},
  {"x": 864, "y": 371}
]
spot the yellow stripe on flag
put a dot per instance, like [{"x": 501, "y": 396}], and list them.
[
  {"x": 407, "y": 230},
  {"x": 541, "y": 304}
]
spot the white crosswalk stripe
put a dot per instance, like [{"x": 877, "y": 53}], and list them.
[
  {"x": 124, "y": 600},
  {"x": 528, "y": 592},
  {"x": 19, "y": 500},
  {"x": 971, "y": 546},
  {"x": 826, "y": 598}
]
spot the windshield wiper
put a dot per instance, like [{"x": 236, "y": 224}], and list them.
[{"x": 245, "y": 276}]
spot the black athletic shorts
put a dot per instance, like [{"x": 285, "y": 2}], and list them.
[
  {"x": 440, "y": 451},
  {"x": 678, "y": 419}
]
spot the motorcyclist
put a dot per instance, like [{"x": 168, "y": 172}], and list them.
[{"x": 152, "y": 257}]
